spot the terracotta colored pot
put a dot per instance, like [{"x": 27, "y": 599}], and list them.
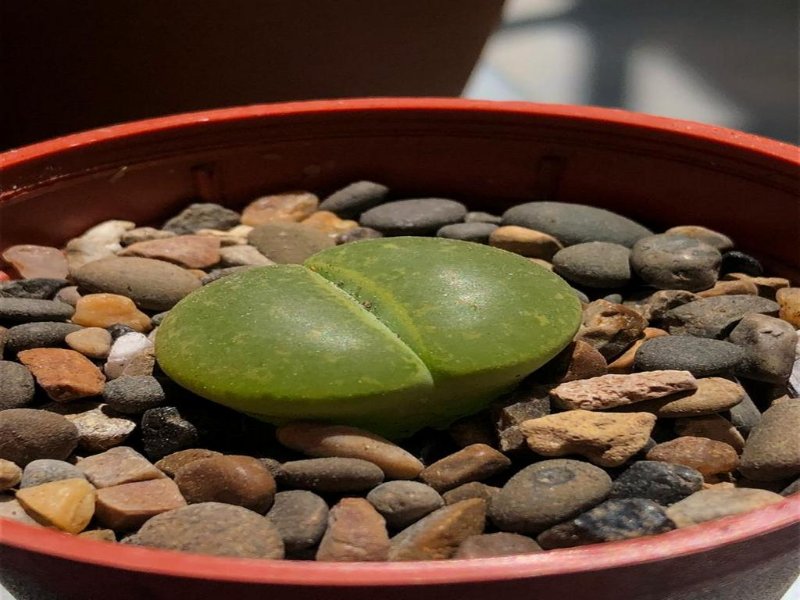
[{"x": 663, "y": 172}]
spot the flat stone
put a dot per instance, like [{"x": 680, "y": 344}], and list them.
[
  {"x": 625, "y": 362},
  {"x": 291, "y": 207},
  {"x": 134, "y": 394},
  {"x": 606, "y": 439},
  {"x": 205, "y": 215},
  {"x": 413, "y": 217},
  {"x": 42, "y": 334},
  {"x": 772, "y": 450},
  {"x": 327, "y": 222},
  {"x": 132, "y": 354},
  {"x": 27, "y": 434},
  {"x": 612, "y": 521},
  {"x": 769, "y": 345},
  {"x": 490, "y": 545},
  {"x": 323, "y": 440},
  {"x": 730, "y": 288},
  {"x": 128, "y": 506},
  {"x": 356, "y": 532},
  {"x": 482, "y": 217},
  {"x": 713, "y": 395},
  {"x": 99, "y": 426},
  {"x": 63, "y": 374},
  {"x": 525, "y": 242},
  {"x": 144, "y": 234},
  {"x": 789, "y": 305},
  {"x": 10, "y": 474},
  {"x": 675, "y": 262},
  {"x": 594, "y": 264},
  {"x": 93, "y": 342},
  {"x": 67, "y": 505},
  {"x": 467, "y": 491},
  {"x": 357, "y": 234},
  {"x": 40, "y": 288},
  {"x": 32, "y": 261},
  {"x": 24, "y": 310},
  {"x": 714, "y": 427},
  {"x": 18, "y": 385},
  {"x": 301, "y": 518},
  {"x": 661, "y": 482},
  {"x": 718, "y": 240},
  {"x": 610, "y": 328},
  {"x": 344, "y": 475},
  {"x": 350, "y": 201},
  {"x": 99, "y": 535},
  {"x": 473, "y": 463},
  {"x": 117, "y": 466},
  {"x": 288, "y": 243},
  {"x": 165, "y": 430},
  {"x": 244, "y": 255},
  {"x": 468, "y": 232},
  {"x": 768, "y": 287},
  {"x": 104, "y": 310},
  {"x": 402, "y": 503},
  {"x": 610, "y": 391},
  {"x": 707, "y": 456},
  {"x": 172, "y": 463},
  {"x": 701, "y": 357},
  {"x": 708, "y": 505},
  {"x": 546, "y": 493},
  {"x": 212, "y": 528},
  {"x": 12, "y": 510},
  {"x": 45, "y": 470},
  {"x": 715, "y": 317},
  {"x": 190, "y": 251}
]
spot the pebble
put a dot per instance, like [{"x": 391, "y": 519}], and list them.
[
  {"x": 473, "y": 489},
  {"x": 301, "y": 518},
  {"x": 468, "y": 232},
  {"x": 490, "y": 545},
  {"x": 718, "y": 240},
  {"x": 212, "y": 528},
  {"x": 594, "y": 264},
  {"x": 789, "y": 305},
  {"x": 94, "y": 342},
  {"x": 707, "y": 456},
  {"x": 24, "y": 310},
  {"x": 131, "y": 354},
  {"x": 792, "y": 488},
  {"x": 151, "y": 284},
  {"x": 144, "y": 234},
  {"x": 768, "y": 287},
  {"x": 172, "y": 463},
  {"x": 675, "y": 262},
  {"x": 745, "y": 416},
  {"x": 39, "y": 288},
  {"x": 576, "y": 223},
  {"x": 105, "y": 310},
  {"x": 661, "y": 482},
  {"x": 202, "y": 216},
  {"x": 523, "y": 404},
  {"x": 33, "y": 262},
  {"x": 68, "y": 295},
  {"x": 117, "y": 466},
  {"x": 731, "y": 288},
  {"x": 99, "y": 427},
  {"x": 656, "y": 306},
  {"x": 189, "y": 251},
  {"x": 625, "y": 362},
  {"x": 327, "y": 222},
  {"x": 236, "y": 236},
  {"x": 525, "y": 242},
  {"x": 288, "y": 243},
  {"x": 12, "y": 510},
  {"x": 63, "y": 374},
  {"x": 37, "y": 335},
  {"x": 18, "y": 385},
  {"x": 413, "y": 217},
  {"x": 3, "y": 336},
  {"x": 473, "y": 463},
  {"x": 323, "y": 440},
  {"x": 67, "y": 505},
  {"x": 165, "y": 431},
  {"x": 714, "y": 427},
  {"x": 614, "y": 520},
  {"x": 610, "y": 328},
  {"x": 701, "y": 357},
  {"x": 356, "y": 532},
  {"x": 402, "y": 503},
  {"x": 244, "y": 255},
  {"x": 772, "y": 450},
  {"x": 99, "y": 242},
  {"x": 45, "y": 470},
  {"x": 769, "y": 345},
  {"x": 10, "y": 474},
  {"x": 340, "y": 475},
  {"x": 240, "y": 480},
  {"x": 438, "y": 535},
  {"x": 713, "y": 394},
  {"x": 27, "y": 434},
  {"x": 714, "y": 317},
  {"x": 707, "y": 505},
  {"x": 610, "y": 391},
  {"x": 482, "y": 217},
  {"x": 579, "y": 360},
  {"x": 134, "y": 394},
  {"x": 350, "y": 201},
  {"x": 280, "y": 208},
  {"x": 128, "y": 506},
  {"x": 546, "y": 493},
  {"x": 99, "y": 535},
  {"x": 606, "y": 439},
  {"x": 357, "y": 234},
  {"x": 735, "y": 261}
]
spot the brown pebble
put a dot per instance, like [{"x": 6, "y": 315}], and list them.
[
  {"x": 171, "y": 463},
  {"x": 610, "y": 328},
  {"x": 68, "y": 295},
  {"x": 713, "y": 395},
  {"x": 99, "y": 426},
  {"x": 579, "y": 360},
  {"x": 624, "y": 362},
  {"x": 67, "y": 505},
  {"x": 11, "y": 509},
  {"x": 93, "y": 342},
  {"x": 789, "y": 302},
  {"x": 473, "y": 463},
  {"x": 343, "y": 475},
  {"x": 524, "y": 241},
  {"x": 127, "y": 506},
  {"x": 707, "y": 505},
  {"x": 772, "y": 450},
  {"x": 768, "y": 287},
  {"x": 188, "y": 251},
  {"x": 713, "y": 427},
  {"x": 729, "y": 288},
  {"x": 329, "y": 223},
  {"x": 489, "y": 545},
  {"x": 63, "y": 374},
  {"x": 356, "y": 532},
  {"x": 438, "y": 536},
  {"x": 117, "y": 466},
  {"x": 10, "y": 474},
  {"x": 99, "y": 535},
  {"x": 467, "y": 491},
  {"x": 280, "y": 208},
  {"x": 28, "y": 434},
  {"x": 707, "y": 456},
  {"x": 301, "y": 517},
  {"x": 104, "y": 310},
  {"x": 32, "y": 261},
  {"x": 402, "y": 503}
]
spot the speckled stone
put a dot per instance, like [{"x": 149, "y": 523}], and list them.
[
  {"x": 707, "y": 505},
  {"x": 469, "y": 232},
  {"x": 594, "y": 264},
  {"x": 713, "y": 395},
  {"x": 132, "y": 395},
  {"x": 675, "y": 262},
  {"x": 489, "y": 545},
  {"x": 473, "y": 463},
  {"x": 165, "y": 430},
  {"x": 46, "y": 470},
  {"x": 344, "y": 475},
  {"x": 715, "y": 317},
  {"x": 413, "y": 217},
  {"x": 610, "y": 328},
  {"x": 41, "y": 288},
  {"x": 202, "y": 216},
  {"x": 350, "y": 201},
  {"x": 18, "y": 385},
  {"x": 288, "y": 243},
  {"x": 661, "y": 482},
  {"x": 27, "y": 434},
  {"x": 24, "y": 310},
  {"x": 117, "y": 466},
  {"x": 772, "y": 451},
  {"x": 99, "y": 426},
  {"x": 356, "y": 532},
  {"x": 128, "y": 506},
  {"x": 707, "y": 456},
  {"x": 769, "y": 345},
  {"x": 301, "y": 518},
  {"x": 701, "y": 357},
  {"x": 402, "y": 503}
]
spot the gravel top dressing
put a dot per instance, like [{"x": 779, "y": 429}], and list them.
[{"x": 370, "y": 378}]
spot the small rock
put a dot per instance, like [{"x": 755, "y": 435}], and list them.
[
  {"x": 413, "y": 217},
  {"x": 707, "y": 456},
  {"x": 612, "y": 521},
  {"x": 527, "y": 402},
  {"x": 661, "y": 482},
  {"x": 24, "y": 310},
  {"x": 132, "y": 354},
  {"x": 594, "y": 264},
  {"x": 172, "y": 463},
  {"x": 18, "y": 385},
  {"x": 63, "y": 374},
  {"x": 357, "y": 234},
  {"x": 94, "y": 342},
  {"x": 675, "y": 262},
  {"x": 280, "y": 208},
  {"x": 355, "y": 533},
  {"x": 701, "y": 357},
  {"x": 12, "y": 510},
  {"x": 473, "y": 463},
  {"x": 772, "y": 450},
  {"x": 236, "y": 236},
  {"x": 525, "y": 242},
  {"x": 735, "y": 261},
  {"x": 144, "y": 234},
  {"x": 34, "y": 262},
  {"x": 714, "y": 427},
  {"x": 117, "y": 466},
  {"x": 546, "y": 493},
  {"x": 327, "y": 222},
  {"x": 190, "y": 251},
  {"x": 768, "y": 287},
  {"x": 67, "y": 505},
  {"x": 301, "y": 518},
  {"x": 730, "y": 288},
  {"x": 99, "y": 426},
  {"x": 610, "y": 328},
  {"x": 579, "y": 360},
  {"x": 658, "y": 304},
  {"x": 68, "y": 295},
  {"x": 707, "y": 505},
  {"x": 212, "y": 528},
  {"x": 99, "y": 535},
  {"x": 99, "y": 242},
  {"x": 202, "y": 216},
  {"x": 490, "y": 545},
  {"x": 42, "y": 334},
  {"x": 769, "y": 345},
  {"x": 343, "y": 475},
  {"x": 288, "y": 243},
  {"x": 27, "y": 434},
  {"x": 473, "y": 489},
  {"x": 713, "y": 394},
  {"x": 468, "y": 232},
  {"x": 482, "y": 217},
  {"x": 39, "y": 288},
  {"x": 713, "y": 238},
  {"x": 45, "y": 470},
  {"x": 323, "y": 440},
  {"x": 789, "y": 303},
  {"x": 165, "y": 431},
  {"x": 128, "y": 506},
  {"x": 402, "y": 503},
  {"x": 10, "y": 474},
  {"x": 609, "y": 391},
  {"x": 625, "y": 362},
  {"x": 132, "y": 395},
  {"x": 715, "y": 317},
  {"x": 104, "y": 310},
  {"x": 352, "y": 200},
  {"x": 745, "y": 416},
  {"x": 606, "y": 439},
  {"x": 244, "y": 255}
]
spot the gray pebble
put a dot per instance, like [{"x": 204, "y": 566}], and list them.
[
  {"x": 482, "y": 217},
  {"x": 576, "y": 223},
  {"x": 701, "y": 356},
  {"x": 413, "y": 217},
  {"x": 594, "y": 264},
  {"x": 661, "y": 482},
  {"x": 660, "y": 303},
  {"x": 18, "y": 386},
  {"x": 202, "y": 216},
  {"x": 68, "y": 295},
  {"x": 165, "y": 431},
  {"x": 468, "y": 232},
  {"x": 675, "y": 262},
  {"x": 769, "y": 344},
  {"x": 744, "y": 416},
  {"x": 135, "y": 394},
  {"x": 580, "y": 295},
  {"x": 546, "y": 493},
  {"x": 714, "y": 317},
  {"x": 612, "y": 521},
  {"x": 157, "y": 318},
  {"x": 27, "y": 434},
  {"x": 772, "y": 451},
  {"x": 719, "y": 240},
  {"x": 792, "y": 488},
  {"x": 402, "y": 503},
  {"x": 613, "y": 298},
  {"x": 24, "y": 310},
  {"x": 288, "y": 243},
  {"x": 44, "y": 334},
  {"x": 37, "y": 288},
  {"x": 357, "y": 234},
  {"x": 220, "y": 273},
  {"x": 354, "y": 199},
  {"x": 331, "y": 475},
  {"x": 45, "y": 470},
  {"x": 300, "y": 517}
]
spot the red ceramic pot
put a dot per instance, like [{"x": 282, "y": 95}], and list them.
[{"x": 660, "y": 171}]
